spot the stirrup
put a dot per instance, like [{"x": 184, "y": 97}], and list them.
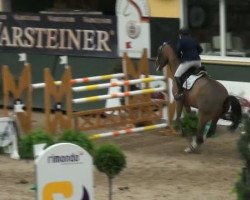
[{"x": 179, "y": 96}]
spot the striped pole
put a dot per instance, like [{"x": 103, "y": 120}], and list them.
[
  {"x": 117, "y": 95},
  {"x": 82, "y": 80},
  {"x": 118, "y": 83},
  {"x": 128, "y": 131}
]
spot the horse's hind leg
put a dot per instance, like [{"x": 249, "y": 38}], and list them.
[
  {"x": 198, "y": 139},
  {"x": 212, "y": 128}
]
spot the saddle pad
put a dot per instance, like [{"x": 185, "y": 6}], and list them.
[{"x": 188, "y": 84}]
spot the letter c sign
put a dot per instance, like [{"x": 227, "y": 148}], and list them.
[{"x": 65, "y": 188}]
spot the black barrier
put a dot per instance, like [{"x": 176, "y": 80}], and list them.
[{"x": 163, "y": 30}]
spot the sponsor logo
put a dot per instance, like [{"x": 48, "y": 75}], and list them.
[
  {"x": 64, "y": 159},
  {"x": 128, "y": 45},
  {"x": 65, "y": 188},
  {"x": 133, "y": 29},
  {"x": 52, "y": 38}
]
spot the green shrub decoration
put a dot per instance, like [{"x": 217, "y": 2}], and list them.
[
  {"x": 26, "y": 142},
  {"x": 110, "y": 160},
  {"x": 78, "y": 138},
  {"x": 243, "y": 185},
  {"x": 243, "y": 147},
  {"x": 242, "y": 189},
  {"x": 188, "y": 124}
]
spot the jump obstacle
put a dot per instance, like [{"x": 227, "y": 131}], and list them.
[
  {"x": 134, "y": 111},
  {"x": 82, "y": 80}
]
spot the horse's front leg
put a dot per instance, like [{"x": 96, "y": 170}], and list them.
[
  {"x": 188, "y": 109},
  {"x": 198, "y": 139},
  {"x": 179, "y": 107}
]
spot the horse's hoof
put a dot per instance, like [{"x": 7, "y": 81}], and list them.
[
  {"x": 15, "y": 156},
  {"x": 192, "y": 149},
  {"x": 188, "y": 150}
]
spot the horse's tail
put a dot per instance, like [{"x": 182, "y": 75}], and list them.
[{"x": 235, "y": 114}]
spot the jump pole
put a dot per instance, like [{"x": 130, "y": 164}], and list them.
[
  {"x": 128, "y": 131},
  {"x": 117, "y": 83},
  {"x": 117, "y": 95},
  {"x": 81, "y": 80}
]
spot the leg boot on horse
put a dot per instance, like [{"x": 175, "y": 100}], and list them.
[{"x": 199, "y": 138}]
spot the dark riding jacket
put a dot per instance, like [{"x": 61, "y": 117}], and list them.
[{"x": 188, "y": 49}]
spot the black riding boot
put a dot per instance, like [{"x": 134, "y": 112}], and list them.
[{"x": 180, "y": 94}]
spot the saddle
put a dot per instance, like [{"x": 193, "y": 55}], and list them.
[{"x": 191, "y": 75}]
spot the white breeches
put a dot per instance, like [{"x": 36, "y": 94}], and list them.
[{"x": 183, "y": 67}]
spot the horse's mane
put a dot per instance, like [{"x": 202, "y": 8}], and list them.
[
  {"x": 175, "y": 59},
  {"x": 171, "y": 44}
]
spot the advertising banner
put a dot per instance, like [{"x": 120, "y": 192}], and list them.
[
  {"x": 133, "y": 27},
  {"x": 55, "y": 34},
  {"x": 64, "y": 171}
]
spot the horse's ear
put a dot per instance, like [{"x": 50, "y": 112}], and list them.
[{"x": 159, "y": 50}]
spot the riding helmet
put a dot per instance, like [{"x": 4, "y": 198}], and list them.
[{"x": 184, "y": 31}]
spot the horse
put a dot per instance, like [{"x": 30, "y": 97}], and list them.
[{"x": 208, "y": 96}]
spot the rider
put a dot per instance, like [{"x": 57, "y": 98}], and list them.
[{"x": 188, "y": 50}]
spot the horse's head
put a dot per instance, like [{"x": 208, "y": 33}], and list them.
[{"x": 161, "y": 59}]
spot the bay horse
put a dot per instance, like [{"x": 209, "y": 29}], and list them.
[{"x": 209, "y": 96}]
